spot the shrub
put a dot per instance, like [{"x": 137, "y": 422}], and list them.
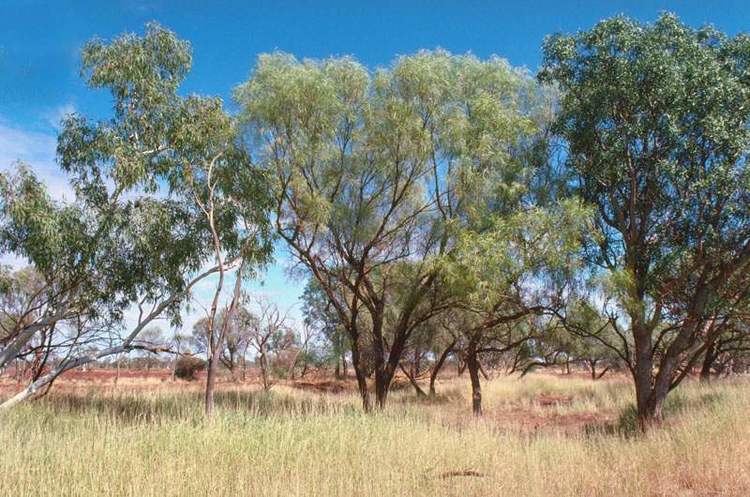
[{"x": 187, "y": 367}]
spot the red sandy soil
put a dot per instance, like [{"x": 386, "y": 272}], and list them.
[
  {"x": 161, "y": 379},
  {"x": 513, "y": 417}
]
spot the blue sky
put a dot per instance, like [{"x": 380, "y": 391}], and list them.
[{"x": 40, "y": 43}]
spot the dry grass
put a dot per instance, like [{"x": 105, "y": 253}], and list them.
[{"x": 541, "y": 436}]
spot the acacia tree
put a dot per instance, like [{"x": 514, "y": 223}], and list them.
[
  {"x": 655, "y": 119},
  {"x": 323, "y": 319},
  {"x": 582, "y": 335},
  {"x": 156, "y": 186},
  {"x": 372, "y": 175},
  {"x": 727, "y": 342},
  {"x": 513, "y": 266}
]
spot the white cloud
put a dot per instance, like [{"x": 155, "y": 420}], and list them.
[
  {"x": 36, "y": 149},
  {"x": 55, "y": 116}
]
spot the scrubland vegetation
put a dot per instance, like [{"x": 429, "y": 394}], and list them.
[
  {"x": 446, "y": 214},
  {"x": 541, "y": 435}
]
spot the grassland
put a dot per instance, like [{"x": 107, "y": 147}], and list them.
[{"x": 541, "y": 436}]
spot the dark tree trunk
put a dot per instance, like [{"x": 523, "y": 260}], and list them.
[
  {"x": 378, "y": 355},
  {"x": 359, "y": 372},
  {"x": 382, "y": 385},
  {"x": 651, "y": 397},
  {"x": 363, "y": 391},
  {"x": 472, "y": 364},
  {"x": 708, "y": 362},
  {"x": 385, "y": 368},
  {"x": 438, "y": 366},
  {"x": 648, "y": 407},
  {"x": 417, "y": 389}
]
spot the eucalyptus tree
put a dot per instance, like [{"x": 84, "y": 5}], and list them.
[
  {"x": 212, "y": 172},
  {"x": 236, "y": 340},
  {"x": 655, "y": 119},
  {"x": 269, "y": 334},
  {"x": 373, "y": 175},
  {"x": 156, "y": 189},
  {"x": 21, "y": 304}
]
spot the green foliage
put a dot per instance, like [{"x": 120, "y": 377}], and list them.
[
  {"x": 328, "y": 128},
  {"x": 137, "y": 233},
  {"x": 527, "y": 247},
  {"x": 655, "y": 117},
  {"x": 322, "y": 317}
]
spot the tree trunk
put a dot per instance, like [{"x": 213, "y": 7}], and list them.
[
  {"x": 210, "y": 385},
  {"x": 413, "y": 381},
  {"x": 648, "y": 410},
  {"x": 364, "y": 393},
  {"x": 472, "y": 364},
  {"x": 379, "y": 357},
  {"x": 263, "y": 360},
  {"x": 592, "y": 368},
  {"x": 386, "y": 364},
  {"x": 438, "y": 366},
  {"x": 651, "y": 398},
  {"x": 385, "y": 372},
  {"x": 382, "y": 385},
  {"x": 361, "y": 377},
  {"x": 708, "y": 361}
]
